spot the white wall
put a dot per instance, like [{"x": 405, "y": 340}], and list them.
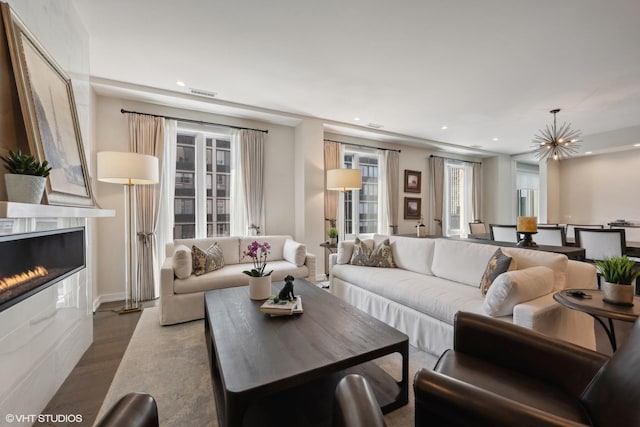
[
  {"x": 111, "y": 130},
  {"x": 599, "y": 189},
  {"x": 498, "y": 188}
]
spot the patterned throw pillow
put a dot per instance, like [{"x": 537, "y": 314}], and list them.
[
  {"x": 382, "y": 255},
  {"x": 207, "y": 261},
  {"x": 498, "y": 264},
  {"x": 360, "y": 255}
]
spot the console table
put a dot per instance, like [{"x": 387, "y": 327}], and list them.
[{"x": 572, "y": 252}]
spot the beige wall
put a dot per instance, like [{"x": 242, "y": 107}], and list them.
[{"x": 600, "y": 188}]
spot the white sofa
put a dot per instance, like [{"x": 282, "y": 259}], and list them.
[
  {"x": 182, "y": 300},
  {"x": 436, "y": 278}
]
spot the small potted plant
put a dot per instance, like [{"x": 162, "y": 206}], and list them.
[
  {"x": 619, "y": 276},
  {"x": 259, "y": 278},
  {"x": 333, "y": 235},
  {"x": 26, "y": 178}
]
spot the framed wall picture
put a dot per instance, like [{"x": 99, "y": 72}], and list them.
[
  {"x": 50, "y": 116},
  {"x": 412, "y": 207},
  {"x": 412, "y": 181}
]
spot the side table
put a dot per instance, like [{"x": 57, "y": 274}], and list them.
[
  {"x": 597, "y": 308},
  {"x": 330, "y": 248}
]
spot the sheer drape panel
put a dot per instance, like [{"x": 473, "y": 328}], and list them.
[
  {"x": 252, "y": 167},
  {"x": 437, "y": 182},
  {"x": 238, "y": 221},
  {"x": 164, "y": 232},
  {"x": 332, "y": 160},
  {"x": 392, "y": 173},
  {"x": 146, "y": 136},
  {"x": 476, "y": 193}
]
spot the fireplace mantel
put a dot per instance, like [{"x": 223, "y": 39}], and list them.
[{"x": 28, "y": 210}]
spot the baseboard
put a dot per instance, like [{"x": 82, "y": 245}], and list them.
[{"x": 107, "y": 298}]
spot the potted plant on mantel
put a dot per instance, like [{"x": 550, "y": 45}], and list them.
[
  {"x": 26, "y": 178},
  {"x": 619, "y": 275}
]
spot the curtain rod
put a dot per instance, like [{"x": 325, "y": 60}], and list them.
[
  {"x": 198, "y": 122},
  {"x": 363, "y": 146},
  {"x": 457, "y": 160}
]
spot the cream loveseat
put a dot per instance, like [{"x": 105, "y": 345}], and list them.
[
  {"x": 435, "y": 278},
  {"x": 182, "y": 299}
]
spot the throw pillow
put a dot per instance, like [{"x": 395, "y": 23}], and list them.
[
  {"x": 498, "y": 264},
  {"x": 294, "y": 252},
  {"x": 382, "y": 255},
  {"x": 361, "y": 252},
  {"x": 207, "y": 261},
  {"x": 182, "y": 263},
  {"x": 517, "y": 286}
]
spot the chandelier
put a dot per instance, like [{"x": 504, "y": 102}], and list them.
[{"x": 556, "y": 143}]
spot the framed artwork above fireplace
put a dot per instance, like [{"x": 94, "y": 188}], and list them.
[{"x": 49, "y": 111}]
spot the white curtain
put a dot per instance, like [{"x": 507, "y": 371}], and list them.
[
  {"x": 248, "y": 185},
  {"x": 146, "y": 136},
  {"x": 391, "y": 174},
  {"x": 332, "y": 160},
  {"x": 437, "y": 189},
  {"x": 164, "y": 233},
  {"x": 476, "y": 192}
]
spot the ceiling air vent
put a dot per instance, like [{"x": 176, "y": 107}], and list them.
[
  {"x": 375, "y": 125},
  {"x": 201, "y": 92}
]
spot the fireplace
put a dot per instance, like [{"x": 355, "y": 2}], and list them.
[{"x": 31, "y": 262}]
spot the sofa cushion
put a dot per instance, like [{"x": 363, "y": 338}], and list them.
[
  {"x": 525, "y": 258},
  {"x": 230, "y": 246},
  {"x": 513, "y": 287},
  {"x": 382, "y": 255},
  {"x": 276, "y": 242},
  {"x": 412, "y": 253},
  {"x": 294, "y": 252},
  {"x": 206, "y": 261},
  {"x": 462, "y": 262},
  {"x": 360, "y": 254},
  {"x": 182, "y": 262},
  {"x": 498, "y": 264}
]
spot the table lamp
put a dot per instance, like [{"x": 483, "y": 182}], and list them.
[
  {"x": 527, "y": 225},
  {"x": 128, "y": 169}
]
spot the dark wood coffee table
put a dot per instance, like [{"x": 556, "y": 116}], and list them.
[{"x": 283, "y": 370}]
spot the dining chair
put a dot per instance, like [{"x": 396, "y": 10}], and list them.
[
  {"x": 503, "y": 233},
  {"x": 551, "y": 236},
  {"x": 570, "y": 232},
  {"x": 600, "y": 243},
  {"x": 477, "y": 228}
]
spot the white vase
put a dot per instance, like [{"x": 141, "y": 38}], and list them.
[
  {"x": 617, "y": 294},
  {"x": 24, "y": 188},
  {"x": 259, "y": 287}
]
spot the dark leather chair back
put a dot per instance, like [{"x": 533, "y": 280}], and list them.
[
  {"x": 613, "y": 397},
  {"x": 355, "y": 404},
  {"x": 132, "y": 410}
]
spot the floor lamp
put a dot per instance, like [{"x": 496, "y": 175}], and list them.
[
  {"x": 344, "y": 180},
  {"x": 129, "y": 169}
]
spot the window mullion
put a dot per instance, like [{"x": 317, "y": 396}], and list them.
[{"x": 201, "y": 187}]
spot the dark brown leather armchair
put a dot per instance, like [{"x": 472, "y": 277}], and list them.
[
  {"x": 132, "y": 410},
  {"x": 499, "y": 374},
  {"x": 355, "y": 404}
]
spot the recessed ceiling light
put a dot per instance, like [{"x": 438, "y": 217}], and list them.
[
  {"x": 494, "y": 139},
  {"x": 180, "y": 83},
  {"x": 589, "y": 152},
  {"x": 636, "y": 145},
  {"x": 444, "y": 128},
  {"x": 356, "y": 119}
]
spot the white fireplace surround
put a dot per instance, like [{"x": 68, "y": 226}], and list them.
[{"x": 43, "y": 337}]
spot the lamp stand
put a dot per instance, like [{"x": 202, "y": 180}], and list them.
[
  {"x": 527, "y": 241},
  {"x": 132, "y": 303}
]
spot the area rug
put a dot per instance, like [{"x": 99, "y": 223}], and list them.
[{"x": 170, "y": 363}]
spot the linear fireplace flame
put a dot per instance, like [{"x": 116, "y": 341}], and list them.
[
  {"x": 31, "y": 262},
  {"x": 18, "y": 279}
]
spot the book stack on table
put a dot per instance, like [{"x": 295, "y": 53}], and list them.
[{"x": 277, "y": 307}]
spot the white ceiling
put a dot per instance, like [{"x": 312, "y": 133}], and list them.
[{"x": 486, "y": 69}]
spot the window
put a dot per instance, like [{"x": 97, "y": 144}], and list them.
[
  {"x": 362, "y": 206},
  {"x": 457, "y": 197},
  {"x": 527, "y": 189},
  {"x": 203, "y": 187}
]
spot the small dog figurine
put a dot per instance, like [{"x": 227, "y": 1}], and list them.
[{"x": 287, "y": 290}]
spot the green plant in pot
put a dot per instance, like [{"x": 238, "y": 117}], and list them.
[
  {"x": 26, "y": 178},
  {"x": 619, "y": 277},
  {"x": 333, "y": 234}
]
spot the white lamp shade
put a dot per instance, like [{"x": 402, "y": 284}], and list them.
[
  {"x": 344, "y": 179},
  {"x": 118, "y": 167}
]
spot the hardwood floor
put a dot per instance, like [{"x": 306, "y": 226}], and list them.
[{"x": 85, "y": 388}]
